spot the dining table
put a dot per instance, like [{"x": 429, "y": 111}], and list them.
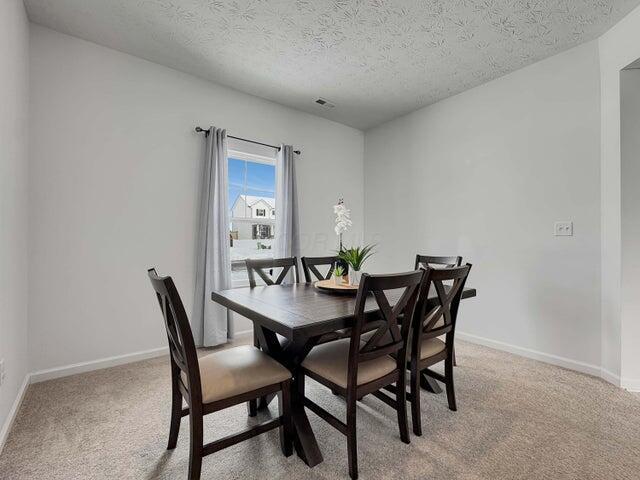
[{"x": 289, "y": 320}]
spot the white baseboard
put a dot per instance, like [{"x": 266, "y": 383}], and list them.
[
  {"x": 65, "y": 371},
  {"x": 242, "y": 334},
  {"x": 576, "y": 365},
  {"x": 630, "y": 384},
  {"x": 8, "y": 423},
  {"x": 58, "y": 372},
  {"x": 610, "y": 377}
]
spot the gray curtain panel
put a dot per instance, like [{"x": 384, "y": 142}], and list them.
[
  {"x": 211, "y": 322},
  {"x": 287, "y": 235}
]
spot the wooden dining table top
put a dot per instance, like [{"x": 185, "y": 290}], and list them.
[{"x": 300, "y": 309}]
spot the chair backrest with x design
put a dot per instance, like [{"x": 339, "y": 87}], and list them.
[
  {"x": 183, "y": 356},
  {"x": 310, "y": 264},
  {"x": 425, "y": 261},
  {"x": 439, "y": 317},
  {"x": 264, "y": 268},
  {"x": 390, "y": 338}
]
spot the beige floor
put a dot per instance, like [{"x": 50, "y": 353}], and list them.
[{"x": 517, "y": 419}]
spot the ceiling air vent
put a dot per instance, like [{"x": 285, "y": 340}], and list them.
[{"x": 325, "y": 103}]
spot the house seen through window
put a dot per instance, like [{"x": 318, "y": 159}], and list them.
[{"x": 252, "y": 181}]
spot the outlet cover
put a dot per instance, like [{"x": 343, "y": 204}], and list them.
[{"x": 563, "y": 229}]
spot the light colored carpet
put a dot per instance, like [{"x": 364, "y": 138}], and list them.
[{"x": 517, "y": 419}]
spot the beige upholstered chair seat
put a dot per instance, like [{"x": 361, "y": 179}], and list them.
[
  {"x": 237, "y": 370},
  {"x": 438, "y": 324},
  {"x": 346, "y": 332},
  {"x": 330, "y": 361},
  {"x": 372, "y": 328},
  {"x": 431, "y": 347},
  {"x": 367, "y": 327}
]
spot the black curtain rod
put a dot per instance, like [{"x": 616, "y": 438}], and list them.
[{"x": 206, "y": 132}]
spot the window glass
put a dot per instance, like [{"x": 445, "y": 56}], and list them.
[{"x": 252, "y": 211}]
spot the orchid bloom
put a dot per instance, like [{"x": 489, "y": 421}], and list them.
[{"x": 343, "y": 218}]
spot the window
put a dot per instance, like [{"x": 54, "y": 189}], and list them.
[
  {"x": 252, "y": 180},
  {"x": 262, "y": 232}
]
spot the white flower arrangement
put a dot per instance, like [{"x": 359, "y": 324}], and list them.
[{"x": 343, "y": 219}]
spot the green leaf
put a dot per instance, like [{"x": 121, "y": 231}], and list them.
[{"x": 356, "y": 256}]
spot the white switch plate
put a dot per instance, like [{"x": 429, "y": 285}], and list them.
[{"x": 563, "y": 229}]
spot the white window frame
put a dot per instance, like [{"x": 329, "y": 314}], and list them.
[{"x": 249, "y": 157}]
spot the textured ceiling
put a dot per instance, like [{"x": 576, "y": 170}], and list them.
[{"x": 374, "y": 59}]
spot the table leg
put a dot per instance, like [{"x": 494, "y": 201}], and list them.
[
  {"x": 305, "y": 441},
  {"x": 252, "y": 408},
  {"x": 429, "y": 384},
  {"x": 266, "y": 400},
  {"x": 292, "y": 356},
  {"x": 267, "y": 341}
]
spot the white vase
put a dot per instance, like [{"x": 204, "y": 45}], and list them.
[
  {"x": 338, "y": 280},
  {"x": 354, "y": 276}
]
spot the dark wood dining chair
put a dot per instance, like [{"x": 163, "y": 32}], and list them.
[
  {"x": 429, "y": 260},
  {"x": 272, "y": 271},
  {"x": 353, "y": 368},
  {"x": 265, "y": 269},
  {"x": 310, "y": 267},
  {"x": 425, "y": 261},
  {"x": 433, "y": 321},
  {"x": 216, "y": 381}
]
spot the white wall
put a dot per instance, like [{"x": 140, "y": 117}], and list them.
[
  {"x": 485, "y": 174},
  {"x": 618, "y": 48},
  {"x": 630, "y": 168},
  {"x": 14, "y": 69},
  {"x": 114, "y": 179}
]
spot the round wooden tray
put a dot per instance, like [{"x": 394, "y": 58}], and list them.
[{"x": 330, "y": 287}]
